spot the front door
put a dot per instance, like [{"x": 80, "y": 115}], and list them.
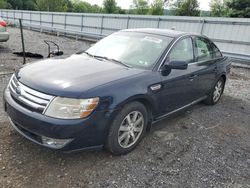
[{"x": 178, "y": 87}]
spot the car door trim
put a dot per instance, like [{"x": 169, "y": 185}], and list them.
[{"x": 179, "y": 109}]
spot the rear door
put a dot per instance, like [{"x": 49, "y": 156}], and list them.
[{"x": 205, "y": 66}]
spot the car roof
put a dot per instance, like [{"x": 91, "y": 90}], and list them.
[{"x": 163, "y": 32}]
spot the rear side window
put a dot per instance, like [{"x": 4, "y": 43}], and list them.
[
  {"x": 182, "y": 51},
  {"x": 204, "y": 49},
  {"x": 216, "y": 51}
]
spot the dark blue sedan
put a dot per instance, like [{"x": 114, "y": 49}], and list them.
[{"x": 111, "y": 94}]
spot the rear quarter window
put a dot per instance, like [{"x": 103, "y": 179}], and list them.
[{"x": 215, "y": 51}]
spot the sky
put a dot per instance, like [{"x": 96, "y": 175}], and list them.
[{"x": 204, "y": 4}]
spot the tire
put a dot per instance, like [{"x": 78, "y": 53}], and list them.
[
  {"x": 127, "y": 129},
  {"x": 216, "y": 93}
]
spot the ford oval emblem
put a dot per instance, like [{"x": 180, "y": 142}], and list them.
[{"x": 18, "y": 90}]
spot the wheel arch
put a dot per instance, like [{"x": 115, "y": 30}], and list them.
[
  {"x": 146, "y": 101},
  {"x": 224, "y": 77}
]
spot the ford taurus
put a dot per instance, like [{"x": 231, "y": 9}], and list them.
[{"x": 109, "y": 95}]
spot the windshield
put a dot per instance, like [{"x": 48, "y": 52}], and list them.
[{"x": 139, "y": 50}]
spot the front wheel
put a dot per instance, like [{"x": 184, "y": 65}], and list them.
[
  {"x": 215, "y": 95},
  {"x": 127, "y": 129}
]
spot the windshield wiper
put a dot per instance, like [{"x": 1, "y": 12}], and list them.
[
  {"x": 106, "y": 58},
  {"x": 84, "y": 52},
  {"x": 112, "y": 60}
]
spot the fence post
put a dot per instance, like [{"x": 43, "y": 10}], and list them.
[
  {"x": 102, "y": 24},
  {"x": 82, "y": 22},
  {"x": 40, "y": 19},
  {"x": 30, "y": 19},
  {"x": 21, "y": 28},
  {"x": 65, "y": 21},
  {"x": 128, "y": 22},
  {"x": 158, "y": 23},
  {"x": 202, "y": 25},
  {"x": 52, "y": 20}
]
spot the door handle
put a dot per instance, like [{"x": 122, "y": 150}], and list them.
[{"x": 192, "y": 77}]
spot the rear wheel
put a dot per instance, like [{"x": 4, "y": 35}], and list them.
[
  {"x": 215, "y": 95},
  {"x": 127, "y": 129}
]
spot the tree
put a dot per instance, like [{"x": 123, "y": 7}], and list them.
[
  {"x": 157, "y": 7},
  {"x": 52, "y": 5},
  {"x": 218, "y": 8},
  {"x": 186, "y": 8},
  {"x": 239, "y": 8},
  {"x": 110, "y": 6},
  {"x": 168, "y": 2},
  {"x": 141, "y": 6},
  {"x": 29, "y": 5},
  {"x": 96, "y": 9},
  {"x": 81, "y": 6},
  {"x": 16, "y": 4},
  {"x": 3, "y": 4}
]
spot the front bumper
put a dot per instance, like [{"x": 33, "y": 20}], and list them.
[
  {"x": 4, "y": 36},
  {"x": 84, "y": 133}
]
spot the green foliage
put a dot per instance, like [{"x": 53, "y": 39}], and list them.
[
  {"x": 81, "y": 6},
  {"x": 218, "y": 8},
  {"x": 140, "y": 7},
  {"x": 52, "y": 5},
  {"x": 3, "y": 4},
  {"x": 21, "y": 4},
  {"x": 84, "y": 7},
  {"x": 110, "y": 6},
  {"x": 239, "y": 8},
  {"x": 157, "y": 7},
  {"x": 29, "y": 5},
  {"x": 96, "y": 9},
  {"x": 186, "y": 8}
]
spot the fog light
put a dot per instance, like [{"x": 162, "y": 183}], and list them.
[{"x": 55, "y": 143}]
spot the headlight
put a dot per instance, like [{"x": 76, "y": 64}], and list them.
[{"x": 67, "y": 108}]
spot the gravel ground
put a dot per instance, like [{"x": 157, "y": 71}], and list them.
[{"x": 206, "y": 146}]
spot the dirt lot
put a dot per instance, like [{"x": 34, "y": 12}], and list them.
[{"x": 207, "y": 146}]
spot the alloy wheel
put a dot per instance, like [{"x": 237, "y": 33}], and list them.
[
  {"x": 130, "y": 129},
  {"x": 217, "y": 91}
]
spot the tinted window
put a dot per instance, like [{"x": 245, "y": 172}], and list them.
[
  {"x": 216, "y": 51},
  {"x": 204, "y": 49},
  {"x": 182, "y": 51}
]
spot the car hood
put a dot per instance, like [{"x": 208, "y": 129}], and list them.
[{"x": 72, "y": 76}]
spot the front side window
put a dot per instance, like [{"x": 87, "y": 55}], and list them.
[
  {"x": 182, "y": 51},
  {"x": 204, "y": 50},
  {"x": 139, "y": 50}
]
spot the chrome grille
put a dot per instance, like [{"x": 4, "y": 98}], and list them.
[{"x": 28, "y": 97}]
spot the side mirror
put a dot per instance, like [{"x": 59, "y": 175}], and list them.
[
  {"x": 166, "y": 69},
  {"x": 181, "y": 65}
]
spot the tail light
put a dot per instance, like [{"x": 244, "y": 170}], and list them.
[{"x": 3, "y": 24}]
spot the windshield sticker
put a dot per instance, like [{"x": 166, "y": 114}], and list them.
[{"x": 152, "y": 39}]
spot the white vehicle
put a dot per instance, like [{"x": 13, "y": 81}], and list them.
[{"x": 4, "y": 35}]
